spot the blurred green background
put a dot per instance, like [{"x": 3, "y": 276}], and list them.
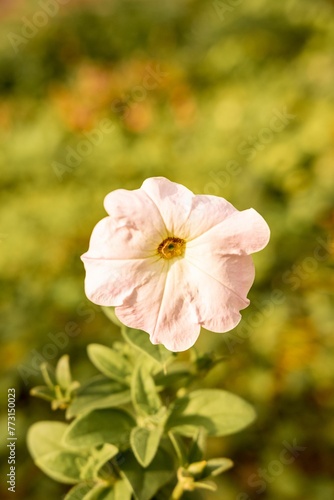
[{"x": 233, "y": 98}]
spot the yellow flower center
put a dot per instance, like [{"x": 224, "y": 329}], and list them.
[{"x": 172, "y": 247}]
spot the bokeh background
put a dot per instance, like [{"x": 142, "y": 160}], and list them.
[{"x": 233, "y": 98}]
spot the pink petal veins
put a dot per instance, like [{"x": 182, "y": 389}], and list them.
[
  {"x": 173, "y": 200},
  {"x": 223, "y": 285},
  {"x": 241, "y": 233},
  {"x": 206, "y": 212},
  {"x": 170, "y": 319},
  {"x": 111, "y": 282}
]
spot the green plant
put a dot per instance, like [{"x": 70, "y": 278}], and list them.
[{"x": 138, "y": 429}]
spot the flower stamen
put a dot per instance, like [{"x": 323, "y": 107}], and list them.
[{"x": 171, "y": 247}]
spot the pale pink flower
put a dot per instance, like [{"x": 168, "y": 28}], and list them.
[{"x": 171, "y": 261}]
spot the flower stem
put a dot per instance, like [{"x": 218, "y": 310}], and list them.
[
  {"x": 177, "y": 492},
  {"x": 177, "y": 448}
]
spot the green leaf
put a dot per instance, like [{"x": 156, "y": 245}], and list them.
[
  {"x": 63, "y": 373},
  {"x": 78, "y": 491},
  {"x": 48, "y": 375},
  {"x": 100, "y": 492},
  {"x": 196, "y": 451},
  {"x": 99, "y": 392},
  {"x": 96, "y": 460},
  {"x": 146, "y": 482},
  {"x": 58, "y": 461},
  {"x": 208, "y": 485},
  {"x": 62, "y": 466},
  {"x": 179, "y": 447},
  {"x": 99, "y": 427},
  {"x": 216, "y": 466},
  {"x": 122, "y": 491},
  {"x": 144, "y": 395},
  {"x": 165, "y": 493},
  {"x": 45, "y": 445},
  {"x": 119, "y": 491},
  {"x": 219, "y": 412},
  {"x": 43, "y": 392},
  {"x": 141, "y": 341},
  {"x": 174, "y": 373},
  {"x": 110, "y": 363},
  {"x": 144, "y": 443},
  {"x": 45, "y": 437}
]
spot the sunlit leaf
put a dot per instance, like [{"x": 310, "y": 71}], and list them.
[
  {"x": 145, "y": 482},
  {"x": 43, "y": 392},
  {"x": 219, "y": 412},
  {"x": 98, "y": 392},
  {"x": 141, "y": 340},
  {"x": 79, "y": 491},
  {"x": 96, "y": 460},
  {"x": 109, "y": 362},
  {"x": 173, "y": 374},
  {"x": 143, "y": 391},
  {"x": 216, "y": 466},
  {"x": 45, "y": 437},
  {"x": 62, "y": 466},
  {"x": 63, "y": 373},
  {"x": 144, "y": 443},
  {"x": 98, "y": 427}
]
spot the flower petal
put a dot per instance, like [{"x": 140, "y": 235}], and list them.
[
  {"x": 173, "y": 200},
  {"x": 206, "y": 212},
  {"x": 223, "y": 284},
  {"x": 241, "y": 233},
  {"x": 110, "y": 282},
  {"x": 172, "y": 299},
  {"x": 163, "y": 308},
  {"x": 114, "y": 239},
  {"x": 135, "y": 211}
]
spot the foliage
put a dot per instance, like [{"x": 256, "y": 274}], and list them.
[
  {"x": 139, "y": 445},
  {"x": 202, "y": 126}
]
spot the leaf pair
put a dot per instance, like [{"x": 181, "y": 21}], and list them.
[
  {"x": 59, "y": 385},
  {"x": 62, "y": 462},
  {"x": 145, "y": 437}
]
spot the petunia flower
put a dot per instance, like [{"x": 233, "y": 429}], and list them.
[{"x": 172, "y": 262}]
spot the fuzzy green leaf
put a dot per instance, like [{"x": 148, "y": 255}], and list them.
[
  {"x": 205, "y": 485},
  {"x": 98, "y": 492},
  {"x": 79, "y": 491},
  {"x": 109, "y": 362},
  {"x": 43, "y": 392},
  {"x": 146, "y": 482},
  {"x": 196, "y": 451},
  {"x": 144, "y": 395},
  {"x": 45, "y": 437},
  {"x": 144, "y": 443},
  {"x": 63, "y": 373},
  {"x": 96, "y": 460},
  {"x": 174, "y": 374},
  {"x": 58, "y": 461},
  {"x": 219, "y": 412},
  {"x": 141, "y": 341},
  {"x": 98, "y": 427},
  {"x": 48, "y": 375},
  {"x": 62, "y": 466},
  {"x": 99, "y": 392},
  {"x": 119, "y": 491},
  {"x": 122, "y": 491},
  {"x": 216, "y": 466}
]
